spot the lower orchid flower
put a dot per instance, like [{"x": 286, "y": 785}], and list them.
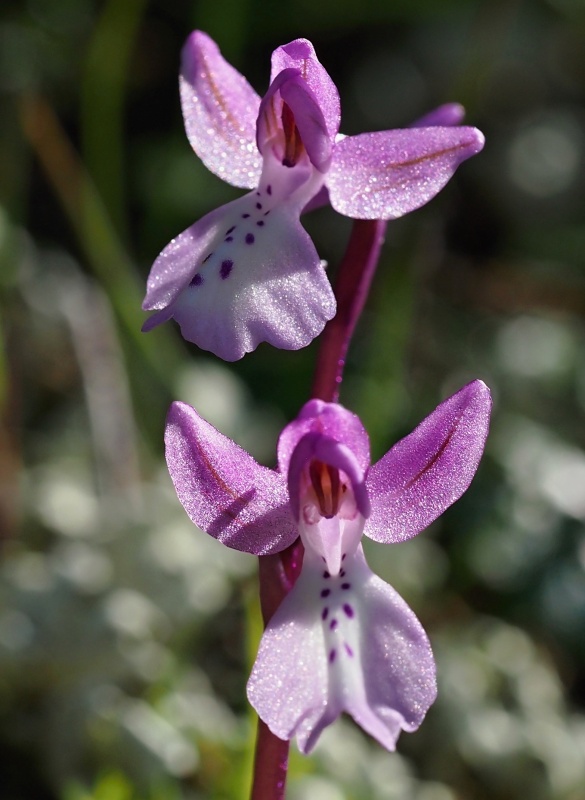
[
  {"x": 248, "y": 272},
  {"x": 342, "y": 640}
]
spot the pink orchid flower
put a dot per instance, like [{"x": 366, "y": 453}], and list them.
[
  {"x": 342, "y": 639},
  {"x": 248, "y": 272}
]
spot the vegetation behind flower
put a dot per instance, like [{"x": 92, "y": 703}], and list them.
[{"x": 123, "y": 661}]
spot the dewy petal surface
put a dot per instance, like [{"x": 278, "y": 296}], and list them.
[
  {"x": 331, "y": 420},
  {"x": 271, "y": 285},
  {"x": 387, "y": 174},
  {"x": 350, "y": 644},
  {"x": 300, "y": 54},
  {"x": 290, "y": 88},
  {"x": 220, "y": 110},
  {"x": 246, "y": 273},
  {"x": 223, "y": 489},
  {"x": 428, "y": 470}
]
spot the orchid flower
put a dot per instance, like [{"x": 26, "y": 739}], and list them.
[
  {"x": 248, "y": 272},
  {"x": 342, "y": 639}
]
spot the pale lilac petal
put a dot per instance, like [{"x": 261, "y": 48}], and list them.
[
  {"x": 316, "y": 445},
  {"x": 247, "y": 273},
  {"x": 289, "y": 87},
  {"x": 178, "y": 263},
  {"x": 398, "y": 664},
  {"x": 220, "y": 110},
  {"x": 332, "y": 539},
  {"x": 309, "y": 121},
  {"x": 300, "y": 54},
  {"x": 288, "y": 686},
  {"x": 223, "y": 489},
  {"x": 428, "y": 470},
  {"x": 444, "y": 116},
  {"x": 387, "y": 174},
  {"x": 346, "y": 643},
  {"x": 318, "y": 201},
  {"x": 333, "y": 421}
]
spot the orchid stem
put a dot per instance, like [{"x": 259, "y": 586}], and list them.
[
  {"x": 279, "y": 572},
  {"x": 353, "y": 284},
  {"x": 270, "y": 765}
]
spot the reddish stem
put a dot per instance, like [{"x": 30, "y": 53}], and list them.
[
  {"x": 353, "y": 284},
  {"x": 279, "y": 572},
  {"x": 277, "y": 575}
]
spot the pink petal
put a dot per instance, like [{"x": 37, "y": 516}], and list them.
[
  {"x": 387, "y": 174},
  {"x": 428, "y": 470},
  {"x": 316, "y": 445},
  {"x": 288, "y": 686},
  {"x": 220, "y": 110},
  {"x": 332, "y": 539},
  {"x": 398, "y": 664},
  {"x": 247, "y": 272},
  {"x": 177, "y": 264},
  {"x": 333, "y": 421},
  {"x": 309, "y": 120},
  {"x": 342, "y": 644},
  {"x": 223, "y": 489},
  {"x": 288, "y": 86},
  {"x": 445, "y": 115},
  {"x": 300, "y": 54}
]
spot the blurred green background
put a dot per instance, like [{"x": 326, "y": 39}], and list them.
[{"x": 126, "y": 635}]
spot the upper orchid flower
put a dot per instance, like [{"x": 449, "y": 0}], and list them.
[
  {"x": 248, "y": 272},
  {"x": 342, "y": 639}
]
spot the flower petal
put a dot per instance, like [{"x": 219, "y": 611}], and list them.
[
  {"x": 316, "y": 445},
  {"x": 446, "y": 115},
  {"x": 309, "y": 120},
  {"x": 333, "y": 421},
  {"x": 397, "y": 661},
  {"x": 223, "y": 489},
  {"x": 300, "y": 54},
  {"x": 348, "y": 643},
  {"x": 220, "y": 110},
  {"x": 177, "y": 264},
  {"x": 387, "y": 174},
  {"x": 307, "y": 123},
  {"x": 288, "y": 686},
  {"x": 247, "y": 272},
  {"x": 428, "y": 470}
]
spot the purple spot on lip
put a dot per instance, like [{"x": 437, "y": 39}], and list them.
[
  {"x": 269, "y": 189},
  {"x": 229, "y": 239},
  {"x": 346, "y": 585},
  {"x": 325, "y": 592},
  {"x": 332, "y": 656},
  {"x": 258, "y": 206},
  {"x": 207, "y": 258},
  {"x": 324, "y": 613},
  {"x": 197, "y": 280},
  {"x": 348, "y": 610},
  {"x": 266, "y": 213},
  {"x": 245, "y": 216},
  {"x": 348, "y": 650},
  {"x": 231, "y": 230},
  {"x": 260, "y": 223},
  {"x": 333, "y": 625},
  {"x": 225, "y": 269},
  {"x": 249, "y": 238},
  {"x": 343, "y": 556},
  {"x": 326, "y": 574},
  {"x": 342, "y": 573}
]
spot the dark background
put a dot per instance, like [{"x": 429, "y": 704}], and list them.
[{"x": 126, "y": 635}]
